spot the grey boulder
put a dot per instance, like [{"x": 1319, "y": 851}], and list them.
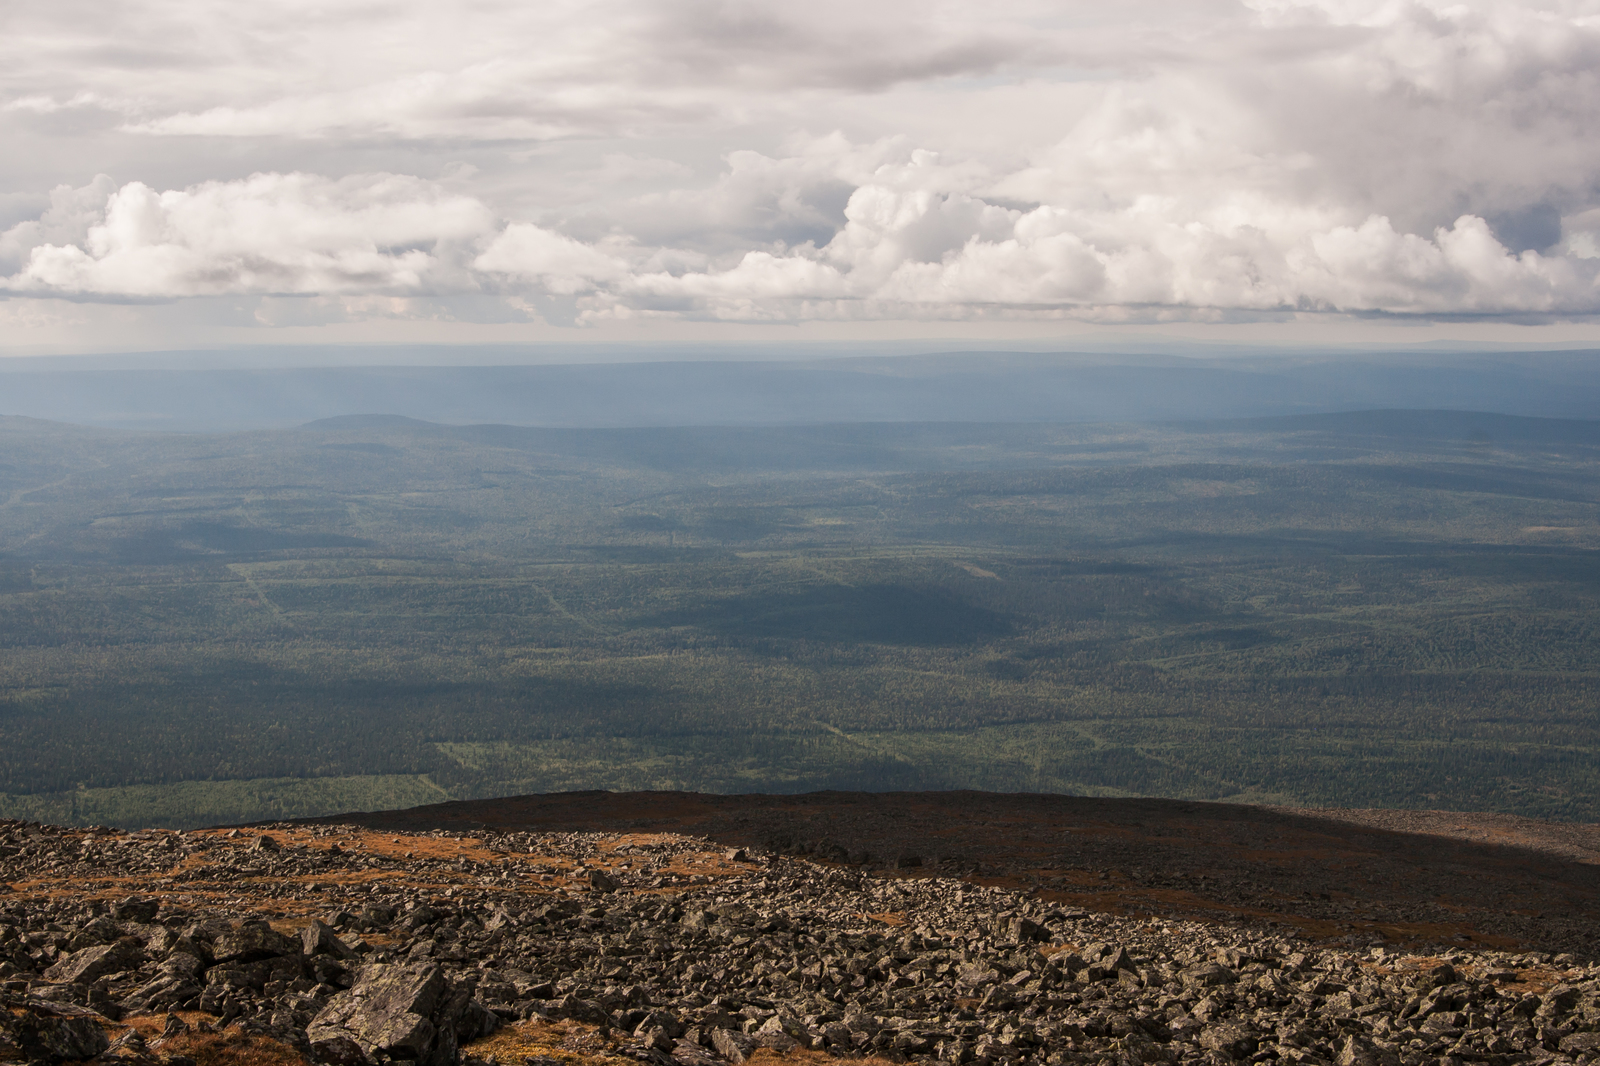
[
  {"x": 318, "y": 939},
  {"x": 91, "y": 964},
  {"x": 47, "y": 1038},
  {"x": 251, "y": 942},
  {"x": 1230, "y": 1040},
  {"x": 399, "y": 1011}
]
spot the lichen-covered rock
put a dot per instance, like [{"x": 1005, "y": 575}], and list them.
[
  {"x": 90, "y": 964},
  {"x": 253, "y": 940},
  {"x": 136, "y": 909},
  {"x": 1234, "y": 1041},
  {"x": 1358, "y": 1051},
  {"x": 319, "y": 939},
  {"x": 399, "y": 1011},
  {"x": 1208, "y": 975},
  {"x": 735, "y": 1047},
  {"x": 37, "y": 1037}
]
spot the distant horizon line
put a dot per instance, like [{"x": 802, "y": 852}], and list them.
[{"x": 541, "y": 354}]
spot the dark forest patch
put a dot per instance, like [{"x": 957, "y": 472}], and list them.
[{"x": 871, "y": 614}]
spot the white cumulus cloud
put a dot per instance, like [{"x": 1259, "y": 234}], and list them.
[
  {"x": 269, "y": 233},
  {"x": 557, "y": 264},
  {"x": 724, "y": 159}
]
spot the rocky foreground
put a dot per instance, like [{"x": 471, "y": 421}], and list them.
[{"x": 351, "y": 947}]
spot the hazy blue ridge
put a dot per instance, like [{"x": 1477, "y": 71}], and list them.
[{"x": 954, "y": 387}]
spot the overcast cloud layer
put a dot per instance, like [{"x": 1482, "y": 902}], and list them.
[{"x": 605, "y": 160}]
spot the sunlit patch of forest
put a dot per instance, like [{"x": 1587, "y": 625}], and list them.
[{"x": 1381, "y": 609}]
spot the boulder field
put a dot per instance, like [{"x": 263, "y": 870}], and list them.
[{"x": 354, "y": 946}]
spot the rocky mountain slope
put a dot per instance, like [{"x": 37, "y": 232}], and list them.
[{"x": 354, "y": 945}]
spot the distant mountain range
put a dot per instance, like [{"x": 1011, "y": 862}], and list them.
[{"x": 949, "y": 387}]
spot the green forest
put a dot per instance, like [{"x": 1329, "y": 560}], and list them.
[{"x": 1383, "y": 609}]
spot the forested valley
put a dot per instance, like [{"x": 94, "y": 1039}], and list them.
[{"x": 1378, "y": 609}]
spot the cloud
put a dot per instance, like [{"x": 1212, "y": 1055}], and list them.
[
  {"x": 728, "y": 160},
  {"x": 774, "y": 200},
  {"x": 48, "y": 105},
  {"x": 67, "y": 221},
  {"x": 269, "y": 233},
  {"x": 555, "y": 264},
  {"x": 909, "y": 251},
  {"x": 545, "y": 71},
  {"x": 912, "y": 243}
]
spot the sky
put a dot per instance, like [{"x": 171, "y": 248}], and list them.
[{"x": 179, "y": 173}]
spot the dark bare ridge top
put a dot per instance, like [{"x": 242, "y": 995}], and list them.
[{"x": 1367, "y": 875}]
